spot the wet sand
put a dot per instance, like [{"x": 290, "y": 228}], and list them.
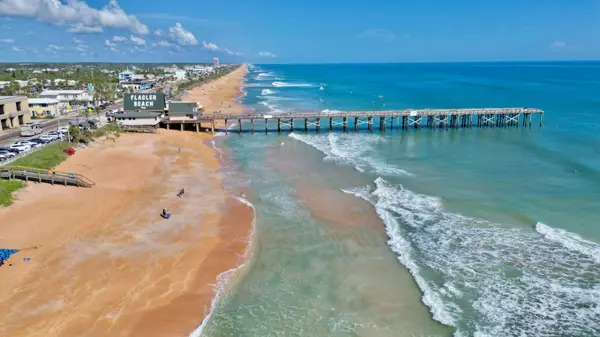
[{"x": 105, "y": 263}]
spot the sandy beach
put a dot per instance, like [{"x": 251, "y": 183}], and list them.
[{"x": 103, "y": 262}]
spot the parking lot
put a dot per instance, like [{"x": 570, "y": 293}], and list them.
[{"x": 26, "y": 145}]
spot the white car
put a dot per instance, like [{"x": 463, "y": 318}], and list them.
[
  {"x": 7, "y": 154},
  {"x": 20, "y": 147},
  {"x": 49, "y": 138},
  {"x": 62, "y": 130},
  {"x": 30, "y": 144}
]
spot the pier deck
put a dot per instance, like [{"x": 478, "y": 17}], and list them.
[{"x": 390, "y": 119}]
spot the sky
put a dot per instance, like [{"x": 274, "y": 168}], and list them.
[{"x": 308, "y": 31}]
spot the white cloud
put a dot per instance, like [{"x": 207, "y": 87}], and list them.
[
  {"x": 181, "y": 36},
  {"x": 113, "y": 49},
  {"x": 377, "y": 34},
  {"x": 55, "y": 47},
  {"x": 210, "y": 46},
  {"x": 556, "y": 45},
  {"x": 266, "y": 54},
  {"x": 73, "y": 12},
  {"x": 81, "y": 47},
  {"x": 159, "y": 33},
  {"x": 81, "y": 28},
  {"x": 7, "y": 41},
  {"x": 109, "y": 44},
  {"x": 119, "y": 38},
  {"x": 17, "y": 49},
  {"x": 162, "y": 44},
  {"x": 232, "y": 52},
  {"x": 137, "y": 40},
  {"x": 78, "y": 41}
]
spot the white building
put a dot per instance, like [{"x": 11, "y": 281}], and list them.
[
  {"x": 180, "y": 74},
  {"x": 139, "y": 118},
  {"x": 67, "y": 95},
  {"x": 41, "y": 107},
  {"x": 216, "y": 61}
]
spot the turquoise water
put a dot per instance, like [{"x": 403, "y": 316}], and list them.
[{"x": 481, "y": 232}]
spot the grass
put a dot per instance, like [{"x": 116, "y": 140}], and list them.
[
  {"x": 44, "y": 158},
  {"x": 7, "y": 187}
]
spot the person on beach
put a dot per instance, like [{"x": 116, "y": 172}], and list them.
[
  {"x": 181, "y": 191},
  {"x": 53, "y": 171}
]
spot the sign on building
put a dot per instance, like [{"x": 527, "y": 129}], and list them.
[{"x": 145, "y": 102}]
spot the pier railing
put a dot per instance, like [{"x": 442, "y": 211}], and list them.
[
  {"x": 44, "y": 176},
  {"x": 401, "y": 119}
]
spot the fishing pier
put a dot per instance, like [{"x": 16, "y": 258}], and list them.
[{"x": 345, "y": 120}]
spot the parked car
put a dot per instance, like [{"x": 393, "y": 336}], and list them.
[
  {"x": 40, "y": 141},
  {"x": 28, "y": 143},
  {"x": 8, "y": 154},
  {"x": 62, "y": 130},
  {"x": 57, "y": 135},
  {"x": 8, "y": 149},
  {"x": 21, "y": 147}
]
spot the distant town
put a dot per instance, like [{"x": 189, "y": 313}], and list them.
[{"x": 53, "y": 90}]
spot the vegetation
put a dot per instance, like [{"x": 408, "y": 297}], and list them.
[
  {"x": 7, "y": 187},
  {"x": 44, "y": 158}
]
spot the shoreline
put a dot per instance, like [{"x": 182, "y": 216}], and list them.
[{"x": 105, "y": 264}]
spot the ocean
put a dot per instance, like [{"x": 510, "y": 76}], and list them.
[{"x": 474, "y": 232}]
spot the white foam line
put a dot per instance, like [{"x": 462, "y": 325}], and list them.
[
  {"x": 225, "y": 277},
  {"x": 570, "y": 241}
]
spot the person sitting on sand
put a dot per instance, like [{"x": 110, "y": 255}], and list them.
[{"x": 165, "y": 211}]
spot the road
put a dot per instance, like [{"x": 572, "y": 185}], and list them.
[{"x": 9, "y": 137}]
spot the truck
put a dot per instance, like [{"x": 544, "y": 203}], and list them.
[{"x": 30, "y": 129}]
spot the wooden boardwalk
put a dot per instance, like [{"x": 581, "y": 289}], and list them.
[
  {"x": 390, "y": 119},
  {"x": 44, "y": 176}
]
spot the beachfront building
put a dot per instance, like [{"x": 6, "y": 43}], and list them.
[
  {"x": 14, "y": 112},
  {"x": 180, "y": 74},
  {"x": 67, "y": 95},
  {"x": 139, "y": 118},
  {"x": 126, "y": 76},
  {"x": 41, "y": 107},
  {"x": 216, "y": 61},
  {"x": 183, "y": 111}
]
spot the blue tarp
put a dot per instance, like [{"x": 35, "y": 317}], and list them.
[{"x": 6, "y": 253}]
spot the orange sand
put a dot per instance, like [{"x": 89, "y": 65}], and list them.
[{"x": 105, "y": 263}]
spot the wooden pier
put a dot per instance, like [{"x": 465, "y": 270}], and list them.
[
  {"x": 44, "y": 176},
  {"x": 384, "y": 120}
]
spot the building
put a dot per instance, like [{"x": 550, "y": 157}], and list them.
[
  {"x": 141, "y": 118},
  {"x": 14, "y": 112},
  {"x": 68, "y": 95},
  {"x": 126, "y": 76},
  {"x": 216, "y": 61},
  {"x": 180, "y": 74},
  {"x": 183, "y": 111},
  {"x": 40, "y": 107}
]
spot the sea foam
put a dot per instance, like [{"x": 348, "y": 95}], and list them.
[
  {"x": 285, "y": 84},
  {"x": 516, "y": 281},
  {"x": 266, "y": 92},
  {"x": 353, "y": 150}
]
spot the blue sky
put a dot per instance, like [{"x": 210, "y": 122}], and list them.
[{"x": 298, "y": 31}]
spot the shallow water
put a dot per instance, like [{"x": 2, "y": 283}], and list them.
[{"x": 488, "y": 232}]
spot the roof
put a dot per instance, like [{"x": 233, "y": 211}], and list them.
[
  {"x": 184, "y": 108},
  {"x": 43, "y": 101},
  {"x": 9, "y": 99},
  {"x": 61, "y": 92},
  {"x": 139, "y": 115}
]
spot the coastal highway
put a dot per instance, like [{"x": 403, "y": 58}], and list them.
[{"x": 10, "y": 136}]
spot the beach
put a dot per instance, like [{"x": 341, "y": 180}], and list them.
[{"x": 102, "y": 260}]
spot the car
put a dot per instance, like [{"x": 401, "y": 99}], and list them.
[
  {"x": 49, "y": 138},
  {"x": 28, "y": 143},
  {"x": 39, "y": 141},
  {"x": 62, "y": 130},
  {"x": 8, "y": 154},
  {"x": 57, "y": 135},
  {"x": 8, "y": 149},
  {"x": 20, "y": 147}
]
